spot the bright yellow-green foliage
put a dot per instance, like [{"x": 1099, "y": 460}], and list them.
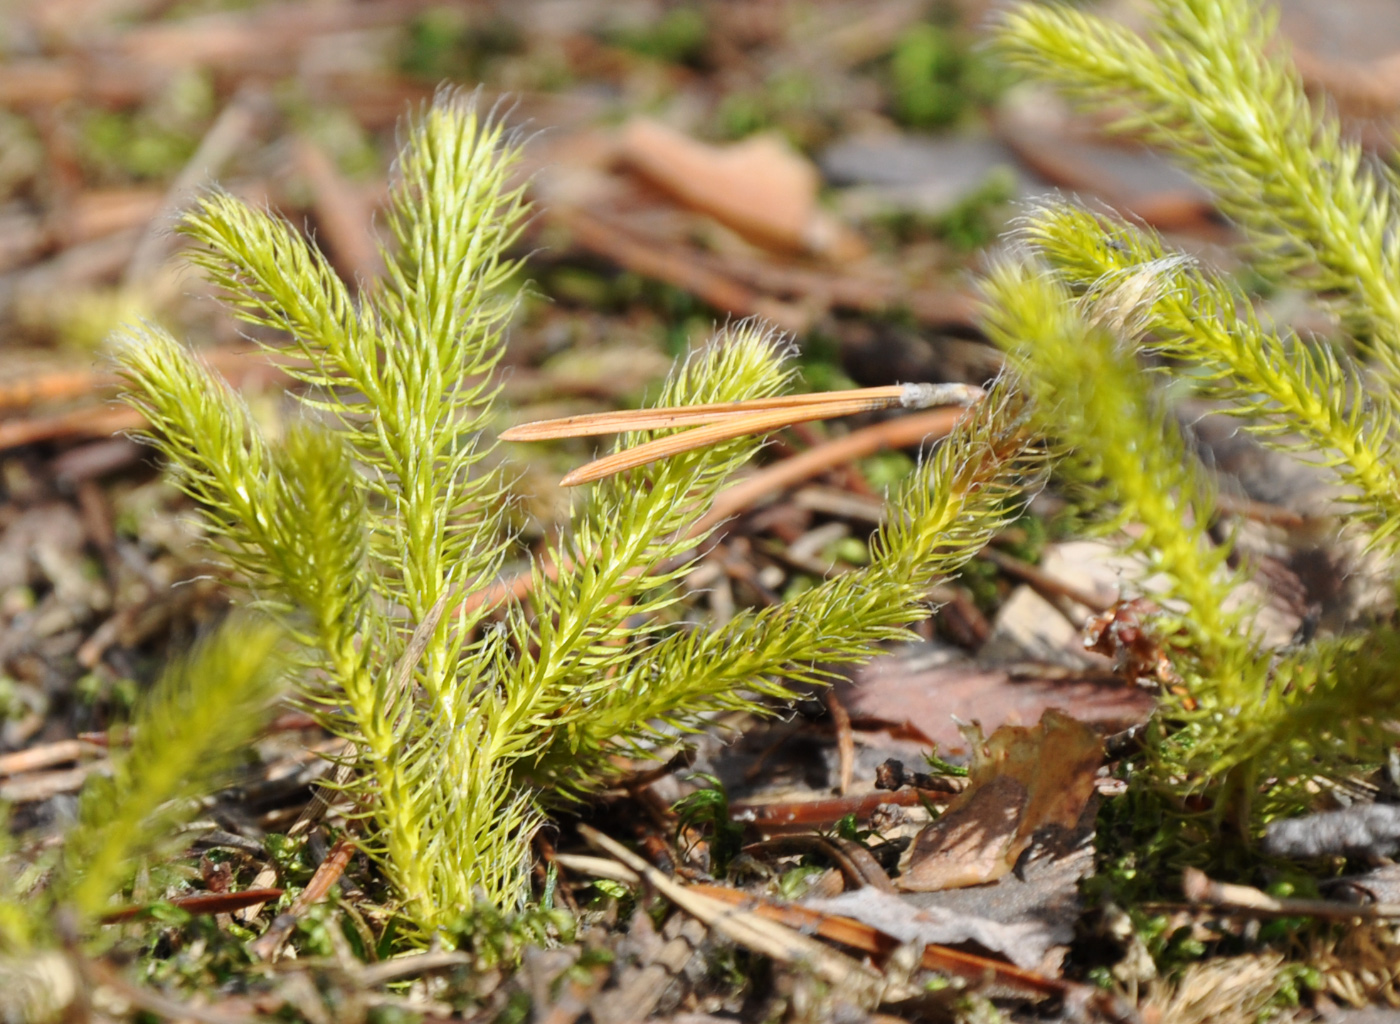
[
  {"x": 1306, "y": 397},
  {"x": 188, "y": 732},
  {"x": 1258, "y": 728},
  {"x": 1213, "y": 86},
  {"x": 1091, "y": 393},
  {"x": 367, "y": 525}
]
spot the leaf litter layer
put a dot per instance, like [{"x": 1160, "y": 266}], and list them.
[{"x": 1249, "y": 731}]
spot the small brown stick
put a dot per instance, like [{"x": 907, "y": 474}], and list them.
[
  {"x": 840, "y": 504},
  {"x": 1260, "y": 512},
  {"x": 769, "y": 938},
  {"x": 341, "y": 214},
  {"x": 845, "y": 741},
  {"x": 200, "y": 903},
  {"x": 153, "y": 1002},
  {"x": 1047, "y": 586},
  {"x": 265, "y": 947},
  {"x": 806, "y": 814},
  {"x": 86, "y": 217},
  {"x": 863, "y": 937},
  {"x": 942, "y": 307},
  {"x": 28, "y": 789},
  {"x": 45, "y": 756},
  {"x": 515, "y": 588},
  {"x": 900, "y": 432},
  {"x": 1198, "y": 888},
  {"x": 410, "y": 966},
  {"x": 635, "y": 781},
  {"x": 93, "y": 215},
  {"x": 238, "y": 364},
  {"x": 613, "y": 241},
  {"x": 857, "y": 864},
  {"x": 51, "y": 385},
  {"x": 100, "y": 421}
]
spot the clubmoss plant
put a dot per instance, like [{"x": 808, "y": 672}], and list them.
[
  {"x": 377, "y": 517},
  {"x": 187, "y": 733},
  {"x": 1254, "y": 730},
  {"x": 1212, "y": 85}
]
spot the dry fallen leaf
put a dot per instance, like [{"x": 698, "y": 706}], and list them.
[
  {"x": 911, "y": 689},
  {"x": 1023, "y": 943},
  {"x": 1020, "y": 780},
  {"x": 758, "y": 187}
]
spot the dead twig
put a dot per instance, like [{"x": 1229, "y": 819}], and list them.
[
  {"x": 769, "y": 938},
  {"x": 155, "y": 1003},
  {"x": 265, "y": 947},
  {"x": 100, "y": 421},
  {"x": 856, "y": 864},
  {"x": 1047, "y": 586},
  {"x": 617, "y": 242},
  {"x": 899, "y": 432},
  {"x": 200, "y": 903},
  {"x": 45, "y": 756},
  {"x": 32, "y": 788},
  {"x": 845, "y": 741},
  {"x": 977, "y": 969},
  {"x": 342, "y": 214},
  {"x": 807, "y": 814},
  {"x": 1200, "y": 889},
  {"x": 410, "y": 966}
]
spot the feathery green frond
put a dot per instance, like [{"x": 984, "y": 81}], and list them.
[
  {"x": 191, "y": 729},
  {"x": 1129, "y": 459},
  {"x": 1305, "y": 397},
  {"x": 269, "y": 274},
  {"x": 454, "y": 211},
  {"x": 320, "y": 521},
  {"x": 1092, "y": 396},
  {"x": 627, "y": 544},
  {"x": 1325, "y": 709},
  {"x": 1213, "y": 86},
  {"x": 1254, "y": 732},
  {"x": 18, "y": 921},
  {"x": 216, "y": 453},
  {"x": 406, "y": 375},
  {"x": 970, "y": 487},
  {"x": 367, "y": 532},
  {"x": 294, "y": 517}
]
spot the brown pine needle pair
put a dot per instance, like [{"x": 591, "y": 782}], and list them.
[{"x": 723, "y": 421}]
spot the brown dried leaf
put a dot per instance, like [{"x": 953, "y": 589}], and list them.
[
  {"x": 905, "y": 689},
  {"x": 1024, "y": 943},
  {"x": 1020, "y": 780},
  {"x": 758, "y": 187}
]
